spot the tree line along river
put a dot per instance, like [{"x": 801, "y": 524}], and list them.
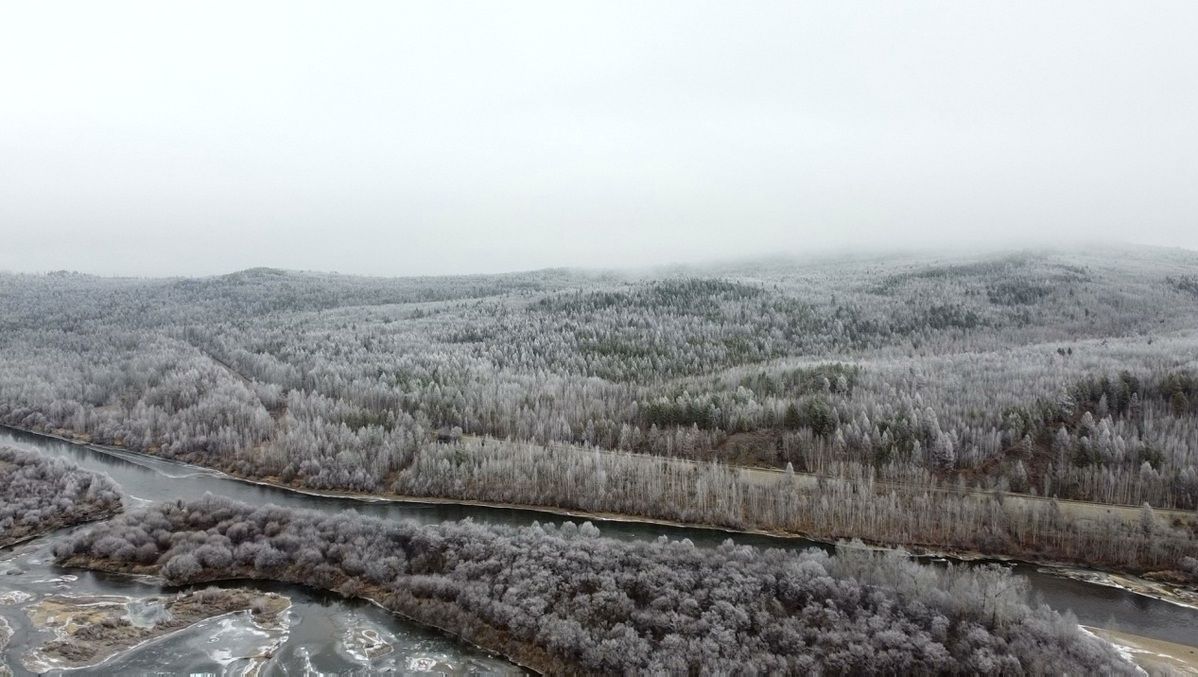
[{"x": 330, "y": 634}]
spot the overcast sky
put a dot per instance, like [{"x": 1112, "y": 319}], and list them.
[{"x": 441, "y": 137}]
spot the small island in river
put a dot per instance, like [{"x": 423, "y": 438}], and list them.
[
  {"x": 39, "y": 495},
  {"x": 89, "y": 630}
]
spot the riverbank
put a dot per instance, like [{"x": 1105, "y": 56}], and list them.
[
  {"x": 1177, "y": 594},
  {"x": 1181, "y": 596},
  {"x": 1153, "y": 655}
]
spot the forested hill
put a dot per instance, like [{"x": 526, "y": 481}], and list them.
[
  {"x": 1063, "y": 373},
  {"x": 74, "y": 298}
]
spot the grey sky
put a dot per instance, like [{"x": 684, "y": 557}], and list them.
[{"x": 403, "y": 138}]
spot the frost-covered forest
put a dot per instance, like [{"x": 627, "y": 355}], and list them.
[
  {"x": 39, "y": 494},
  {"x": 565, "y": 600},
  {"x": 908, "y": 383}
]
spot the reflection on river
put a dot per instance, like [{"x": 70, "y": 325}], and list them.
[{"x": 329, "y": 634}]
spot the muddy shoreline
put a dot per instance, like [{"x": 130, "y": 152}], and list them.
[
  {"x": 1153, "y": 655},
  {"x": 93, "y": 516}
]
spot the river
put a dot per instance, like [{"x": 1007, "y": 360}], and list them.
[{"x": 322, "y": 627}]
